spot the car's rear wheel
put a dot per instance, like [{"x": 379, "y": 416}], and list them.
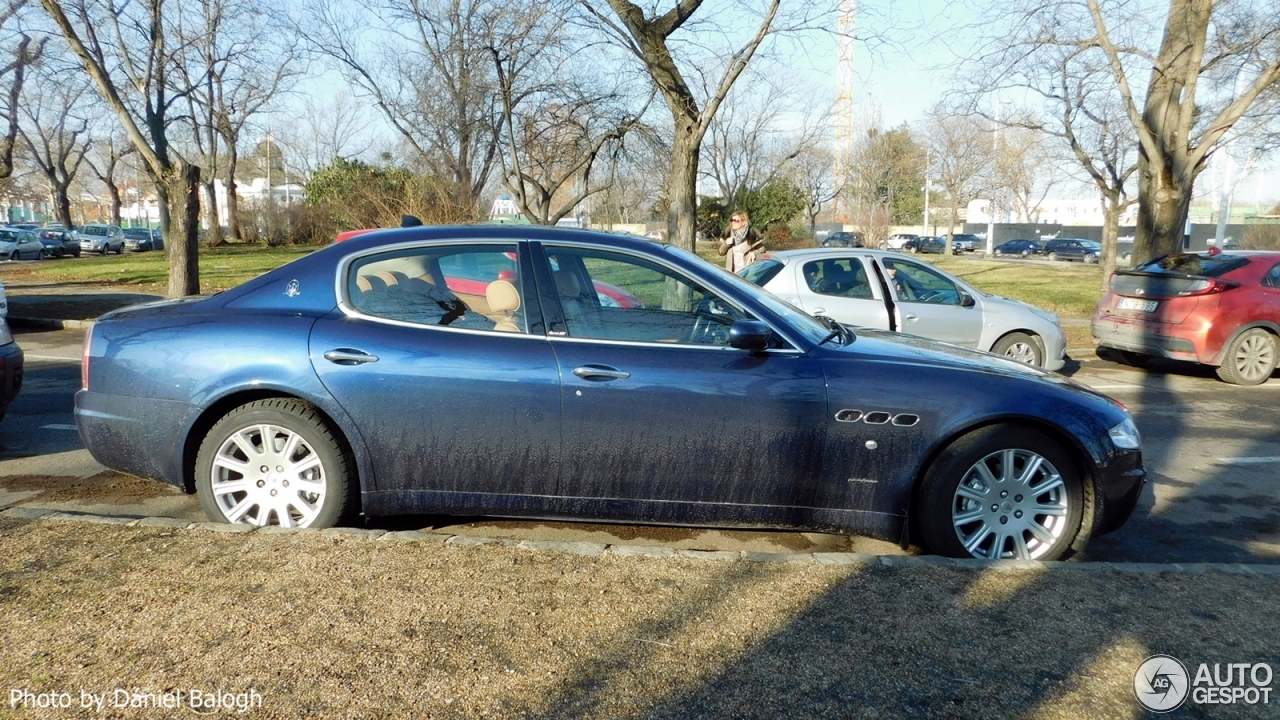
[
  {"x": 1021, "y": 347},
  {"x": 1249, "y": 359},
  {"x": 275, "y": 462},
  {"x": 1001, "y": 492}
]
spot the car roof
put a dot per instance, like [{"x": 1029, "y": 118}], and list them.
[
  {"x": 819, "y": 253},
  {"x": 388, "y": 236}
]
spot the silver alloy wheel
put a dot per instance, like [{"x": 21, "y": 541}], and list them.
[
  {"x": 1255, "y": 357},
  {"x": 266, "y": 471},
  {"x": 1023, "y": 352},
  {"x": 1010, "y": 504}
]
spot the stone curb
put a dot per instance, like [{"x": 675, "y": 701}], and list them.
[
  {"x": 596, "y": 549},
  {"x": 50, "y": 323}
]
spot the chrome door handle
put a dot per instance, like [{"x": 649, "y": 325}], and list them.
[
  {"x": 819, "y": 311},
  {"x": 348, "y": 356},
  {"x": 912, "y": 316},
  {"x": 600, "y": 372}
]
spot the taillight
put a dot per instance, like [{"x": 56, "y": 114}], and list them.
[
  {"x": 84, "y": 358},
  {"x": 1207, "y": 286}
]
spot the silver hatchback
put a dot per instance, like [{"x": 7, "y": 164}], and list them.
[{"x": 886, "y": 291}]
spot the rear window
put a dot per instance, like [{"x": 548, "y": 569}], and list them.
[
  {"x": 1192, "y": 264},
  {"x": 760, "y": 272}
]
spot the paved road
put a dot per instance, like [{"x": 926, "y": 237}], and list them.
[{"x": 1213, "y": 451}]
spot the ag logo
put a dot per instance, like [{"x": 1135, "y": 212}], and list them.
[{"x": 1161, "y": 683}]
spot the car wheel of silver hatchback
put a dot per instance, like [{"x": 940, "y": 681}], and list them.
[
  {"x": 1249, "y": 359},
  {"x": 1002, "y": 493},
  {"x": 275, "y": 462},
  {"x": 1020, "y": 347}
]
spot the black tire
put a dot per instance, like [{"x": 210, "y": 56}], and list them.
[
  {"x": 1021, "y": 347},
  {"x": 336, "y": 488},
  {"x": 914, "y": 250},
  {"x": 1053, "y": 257},
  {"x": 1136, "y": 359},
  {"x": 1090, "y": 258},
  {"x": 1249, "y": 359},
  {"x": 14, "y": 256},
  {"x": 106, "y": 249},
  {"x": 938, "y": 502},
  {"x": 1026, "y": 253}
]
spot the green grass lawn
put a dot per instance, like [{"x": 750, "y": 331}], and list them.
[{"x": 221, "y": 268}]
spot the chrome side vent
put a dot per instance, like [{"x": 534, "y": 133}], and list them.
[
  {"x": 906, "y": 420},
  {"x": 878, "y": 417},
  {"x": 849, "y": 416}
]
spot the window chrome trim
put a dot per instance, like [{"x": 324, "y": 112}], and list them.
[
  {"x": 659, "y": 260},
  {"x": 349, "y": 310},
  {"x": 683, "y": 346}
]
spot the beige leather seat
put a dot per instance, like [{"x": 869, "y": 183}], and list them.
[{"x": 504, "y": 302}]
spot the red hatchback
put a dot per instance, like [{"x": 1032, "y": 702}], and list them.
[{"x": 1215, "y": 308}]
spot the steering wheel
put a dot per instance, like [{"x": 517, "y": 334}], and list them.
[{"x": 709, "y": 325}]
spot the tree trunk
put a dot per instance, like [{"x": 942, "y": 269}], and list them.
[
  {"x": 682, "y": 186},
  {"x": 62, "y": 202},
  {"x": 116, "y": 202},
  {"x": 180, "y": 225},
  {"x": 233, "y": 199},
  {"x": 951, "y": 230},
  {"x": 212, "y": 223},
  {"x": 1164, "y": 200},
  {"x": 1110, "y": 234}
]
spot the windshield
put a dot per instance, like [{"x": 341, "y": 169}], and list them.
[
  {"x": 795, "y": 318},
  {"x": 761, "y": 272},
  {"x": 94, "y": 230},
  {"x": 8, "y": 236},
  {"x": 1190, "y": 264}
]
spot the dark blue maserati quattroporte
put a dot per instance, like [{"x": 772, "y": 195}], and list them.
[{"x": 482, "y": 370}]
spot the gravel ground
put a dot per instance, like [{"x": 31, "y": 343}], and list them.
[{"x": 316, "y": 626}]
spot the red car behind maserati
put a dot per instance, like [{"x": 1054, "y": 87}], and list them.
[{"x": 1214, "y": 308}]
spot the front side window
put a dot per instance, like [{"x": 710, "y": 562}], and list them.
[
  {"x": 472, "y": 287},
  {"x": 843, "y": 277},
  {"x": 646, "y": 302},
  {"x": 1273, "y": 278},
  {"x": 919, "y": 283}
]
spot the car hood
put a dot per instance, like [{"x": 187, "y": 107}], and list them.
[{"x": 910, "y": 351}]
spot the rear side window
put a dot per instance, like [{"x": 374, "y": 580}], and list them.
[
  {"x": 761, "y": 272},
  {"x": 475, "y": 287},
  {"x": 844, "y": 277},
  {"x": 1192, "y": 264}
]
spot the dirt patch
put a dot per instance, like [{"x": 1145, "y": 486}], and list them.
[{"x": 107, "y": 487}]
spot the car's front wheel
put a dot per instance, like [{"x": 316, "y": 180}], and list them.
[
  {"x": 1249, "y": 359},
  {"x": 275, "y": 462},
  {"x": 1021, "y": 347},
  {"x": 1001, "y": 492},
  {"x": 1053, "y": 257}
]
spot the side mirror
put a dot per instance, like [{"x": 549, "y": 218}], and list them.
[
  {"x": 966, "y": 300},
  {"x": 750, "y": 335}
]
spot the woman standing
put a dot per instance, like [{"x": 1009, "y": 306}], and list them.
[{"x": 743, "y": 245}]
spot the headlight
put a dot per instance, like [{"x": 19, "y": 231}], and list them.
[{"x": 1125, "y": 435}]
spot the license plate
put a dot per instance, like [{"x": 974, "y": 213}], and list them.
[{"x": 1135, "y": 304}]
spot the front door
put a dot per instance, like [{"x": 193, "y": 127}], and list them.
[
  {"x": 657, "y": 406},
  {"x": 930, "y": 305}
]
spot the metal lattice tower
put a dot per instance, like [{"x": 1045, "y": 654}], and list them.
[{"x": 844, "y": 94}]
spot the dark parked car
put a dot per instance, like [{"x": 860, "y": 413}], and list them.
[
  {"x": 842, "y": 239},
  {"x": 1020, "y": 247},
  {"x": 141, "y": 239},
  {"x": 10, "y": 366},
  {"x": 58, "y": 242},
  {"x": 1212, "y": 308},
  {"x": 354, "y": 380},
  {"x": 930, "y": 245},
  {"x": 1087, "y": 251}
]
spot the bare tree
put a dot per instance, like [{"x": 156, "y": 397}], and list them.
[
  {"x": 247, "y": 59},
  {"x": 56, "y": 135},
  {"x": 961, "y": 148},
  {"x": 648, "y": 38},
  {"x": 559, "y": 120},
  {"x": 104, "y": 161},
  {"x": 336, "y": 127},
  {"x": 813, "y": 171},
  {"x": 125, "y": 49},
  {"x": 13, "y": 76},
  {"x": 429, "y": 72}
]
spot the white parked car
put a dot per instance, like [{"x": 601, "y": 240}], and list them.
[
  {"x": 19, "y": 244},
  {"x": 887, "y": 291},
  {"x": 897, "y": 241}
]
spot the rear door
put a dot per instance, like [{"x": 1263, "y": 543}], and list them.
[
  {"x": 453, "y": 391},
  {"x": 841, "y": 288}
]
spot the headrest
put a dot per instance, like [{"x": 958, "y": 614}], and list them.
[{"x": 502, "y": 296}]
